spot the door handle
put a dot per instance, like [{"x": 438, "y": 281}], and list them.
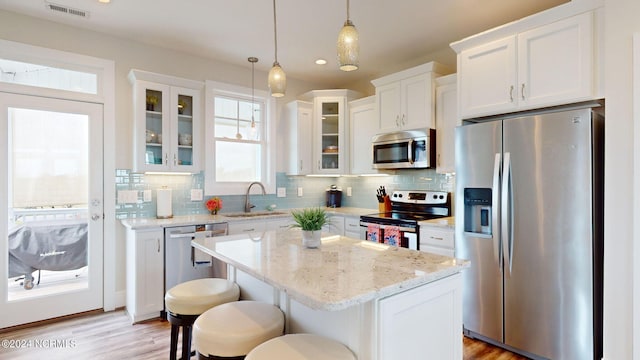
[
  {"x": 506, "y": 232},
  {"x": 495, "y": 198},
  {"x": 95, "y": 217},
  {"x": 410, "y": 151}
]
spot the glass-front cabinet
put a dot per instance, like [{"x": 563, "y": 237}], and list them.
[
  {"x": 331, "y": 135},
  {"x": 167, "y": 123}
]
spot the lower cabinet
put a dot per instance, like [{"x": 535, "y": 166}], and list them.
[
  {"x": 352, "y": 227},
  {"x": 247, "y": 227},
  {"x": 335, "y": 226},
  {"x": 437, "y": 240},
  {"x": 145, "y": 269}
]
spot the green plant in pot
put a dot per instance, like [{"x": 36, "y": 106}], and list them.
[{"x": 310, "y": 221}]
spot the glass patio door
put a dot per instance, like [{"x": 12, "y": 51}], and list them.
[{"x": 52, "y": 223}]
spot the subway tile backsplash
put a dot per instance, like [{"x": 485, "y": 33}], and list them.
[{"x": 363, "y": 191}]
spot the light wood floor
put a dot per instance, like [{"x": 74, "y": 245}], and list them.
[{"x": 111, "y": 336}]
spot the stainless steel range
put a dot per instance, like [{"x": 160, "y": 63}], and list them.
[{"x": 400, "y": 226}]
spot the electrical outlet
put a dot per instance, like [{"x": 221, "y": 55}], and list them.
[
  {"x": 147, "y": 195},
  {"x": 282, "y": 192},
  {"x": 300, "y": 192},
  {"x": 196, "y": 195},
  {"x": 349, "y": 191}
]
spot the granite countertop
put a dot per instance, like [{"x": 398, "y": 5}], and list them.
[
  {"x": 341, "y": 273},
  {"x": 148, "y": 223},
  {"x": 446, "y": 222}
]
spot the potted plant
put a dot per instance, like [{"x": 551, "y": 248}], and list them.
[{"x": 310, "y": 221}]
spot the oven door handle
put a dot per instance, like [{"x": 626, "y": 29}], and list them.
[{"x": 401, "y": 228}]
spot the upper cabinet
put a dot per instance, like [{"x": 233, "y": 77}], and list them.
[
  {"x": 405, "y": 99},
  {"x": 167, "y": 123},
  {"x": 325, "y": 141},
  {"x": 299, "y": 120},
  {"x": 546, "y": 65},
  {"x": 446, "y": 121},
  {"x": 362, "y": 117}
]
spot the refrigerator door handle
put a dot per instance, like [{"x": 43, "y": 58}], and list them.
[
  {"x": 506, "y": 216},
  {"x": 495, "y": 198}
]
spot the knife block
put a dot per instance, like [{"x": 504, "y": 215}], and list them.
[{"x": 385, "y": 205}]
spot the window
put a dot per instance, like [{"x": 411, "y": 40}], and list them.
[{"x": 239, "y": 139}]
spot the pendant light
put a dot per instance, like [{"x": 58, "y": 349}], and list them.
[
  {"x": 348, "y": 47},
  {"x": 252, "y": 131},
  {"x": 277, "y": 78}
]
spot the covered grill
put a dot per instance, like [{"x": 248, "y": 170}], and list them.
[{"x": 47, "y": 245}]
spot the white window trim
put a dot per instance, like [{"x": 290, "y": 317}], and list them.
[{"x": 211, "y": 187}]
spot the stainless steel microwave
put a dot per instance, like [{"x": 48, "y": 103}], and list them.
[{"x": 405, "y": 149}]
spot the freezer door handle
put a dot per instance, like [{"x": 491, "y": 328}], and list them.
[
  {"x": 506, "y": 213},
  {"x": 495, "y": 196}
]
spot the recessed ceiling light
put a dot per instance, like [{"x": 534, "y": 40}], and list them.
[
  {"x": 321, "y": 62},
  {"x": 104, "y": 1}
]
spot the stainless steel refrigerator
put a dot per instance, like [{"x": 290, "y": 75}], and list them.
[{"x": 529, "y": 216}]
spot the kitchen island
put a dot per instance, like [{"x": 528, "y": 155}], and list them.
[{"x": 382, "y": 302}]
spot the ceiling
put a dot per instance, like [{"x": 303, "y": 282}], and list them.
[{"x": 394, "y": 35}]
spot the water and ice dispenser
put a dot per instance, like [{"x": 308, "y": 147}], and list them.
[{"x": 477, "y": 210}]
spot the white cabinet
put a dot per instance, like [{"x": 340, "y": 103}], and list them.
[
  {"x": 329, "y": 131},
  {"x": 299, "y": 119},
  {"x": 430, "y": 319},
  {"x": 438, "y": 240},
  {"x": 548, "y": 65},
  {"x": 335, "y": 226},
  {"x": 329, "y": 144},
  {"x": 352, "y": 227},
  {"x": 280, "y": 224},
  {"x": 405, "y": 99},
  {"x": 362, "y": 119},
  {"x": 446, "y": 121},
  {"x": 145, "y": 273},
  {"x": 167, "y": 123},
  {"x": 251, "y": 227}
]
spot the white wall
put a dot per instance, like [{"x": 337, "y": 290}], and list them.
[
  {"x": 621, "y": 21},
  {"x": 127, "y": 55}
]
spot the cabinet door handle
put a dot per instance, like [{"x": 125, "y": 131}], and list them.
[
  {"x": 402, "y": 120},
  {"x": 397, "y": 120},
  {"x": 301, "y": 165},
  {"x": 158, "y": 244},
  {"x": 175, "y": 160},
  {"x": 166, "y": 158},
  {"x": 438, "y": 159},
  {"x": 318, "y": 164},
  {"x": 522, "y": 91},
  {"x": 511, "y": 93}
]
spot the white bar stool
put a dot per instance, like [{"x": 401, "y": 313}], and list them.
[
  {"x": 301, "y": 347},
  {"x": 233, "y": 329},
  {"x": 186, "y": 301}
]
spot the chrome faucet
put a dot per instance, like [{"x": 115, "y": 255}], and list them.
[{"x": 247, "y": 204}]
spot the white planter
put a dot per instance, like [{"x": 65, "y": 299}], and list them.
[{"x": 311, "y": 239}]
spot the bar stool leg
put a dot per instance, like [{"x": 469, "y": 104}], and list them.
[
  {"x": 186, "y": 342},
  {"x": 174, "y": 342}
]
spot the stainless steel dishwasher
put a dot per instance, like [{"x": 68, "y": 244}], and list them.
[{"x": 182, "y": 262}]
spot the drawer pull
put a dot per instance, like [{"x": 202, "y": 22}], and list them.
[{"x": 437, "y": 238}]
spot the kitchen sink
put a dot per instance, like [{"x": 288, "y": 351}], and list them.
[{"x": 255, "y": 214}]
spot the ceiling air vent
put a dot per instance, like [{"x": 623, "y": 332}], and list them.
[{"x": 66, "y": 10}]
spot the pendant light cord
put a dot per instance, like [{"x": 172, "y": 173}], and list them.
[
  {"x": 347, "y": 10},
  {"x": 275, "y": 31}
]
